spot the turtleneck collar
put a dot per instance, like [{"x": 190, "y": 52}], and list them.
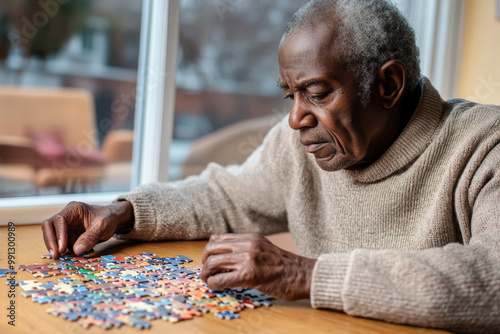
[{"x": 412, "y": 141}]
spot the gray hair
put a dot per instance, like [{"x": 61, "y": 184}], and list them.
[{"x": 370, "y": 33}]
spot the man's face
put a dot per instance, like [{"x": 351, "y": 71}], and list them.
[{"x": 327, "y": 111}]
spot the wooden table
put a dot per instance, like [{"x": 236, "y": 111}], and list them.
[{"x": 282, "y": 317}]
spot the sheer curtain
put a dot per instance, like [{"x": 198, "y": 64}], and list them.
[{"x": 438, "y": 27}]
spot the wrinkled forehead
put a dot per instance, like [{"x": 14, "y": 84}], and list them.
[{"x": 310, "y": 43}]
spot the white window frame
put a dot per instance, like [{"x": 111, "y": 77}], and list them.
[{"x": 155, "y": 104}]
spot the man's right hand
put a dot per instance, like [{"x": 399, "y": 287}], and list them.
[{"x": 81, "y": 226}]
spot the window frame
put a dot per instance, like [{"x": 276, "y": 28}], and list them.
[{"x": 155, "y": 106}]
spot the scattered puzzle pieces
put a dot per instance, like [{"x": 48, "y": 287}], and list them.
[
  {"x": 111, "y": 291},
  {"x": 5, "y": 272}
]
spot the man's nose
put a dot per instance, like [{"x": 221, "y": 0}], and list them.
[{"x": 301, "y": 115}]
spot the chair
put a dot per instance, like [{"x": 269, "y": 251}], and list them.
[
  {"x": 25, "y": 111},
  {"x": 229, "y": 145}
]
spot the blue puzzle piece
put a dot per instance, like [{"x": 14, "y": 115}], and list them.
[
  {"x": 140, "y": 324},
  {"x": 5, "y": 272},
  {"x": 43, "y": 299},
  {"x": 226, "y": 315},
  {"x": 71, "y": 316},
  {"x": 183, "y": 258},
  {"x": 47, "y": 286}
]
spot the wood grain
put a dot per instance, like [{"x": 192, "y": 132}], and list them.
[{"x": 282, "y": 317}]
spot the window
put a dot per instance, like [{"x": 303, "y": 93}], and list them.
[
  {"x": 438, "y": 26},
  {"x": 67, "y": 90},
  {"x": 227, "y": 65},
  {"x": 226, "y": 98},
  {"x": 68, "y": 77}
]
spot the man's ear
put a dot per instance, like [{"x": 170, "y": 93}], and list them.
[{"x": 391, "y": 82}]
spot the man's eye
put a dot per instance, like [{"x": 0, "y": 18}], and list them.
[
  {"x": 289, "y": 97},
  {"x": 319, "y": 97}
]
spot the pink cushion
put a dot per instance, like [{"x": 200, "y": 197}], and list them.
[
  {"x": 49, "y": 144},
  {"x": 51, "y": 148}
]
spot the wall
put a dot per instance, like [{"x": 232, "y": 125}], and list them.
[{"x": 480, "y": 66}]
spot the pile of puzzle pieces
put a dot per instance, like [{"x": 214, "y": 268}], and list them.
[{"x": 110, "y": 291}]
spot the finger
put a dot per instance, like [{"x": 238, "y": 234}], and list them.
[
  {"x": 226, "y": 280},
  {"x": 238, "y": 244},
  {"x": 87, "y": 240},
  {"x": 213, "y": 248},
  {"x": 233, "y": 236},
  {"x": 217, "y": 237},
  {"x": 73, "y": 213},
  {"x": 49, "y": 237},
  {"x": 61, "y": 229},
  {"x": 55, "y": 228},
  {"x": 221, "y": 263}
]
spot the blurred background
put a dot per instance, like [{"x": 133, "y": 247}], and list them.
[
  {"x": 227, "y": 69},
  {"x": 68, "y": 76}
]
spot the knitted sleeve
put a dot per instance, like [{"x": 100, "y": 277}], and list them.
[
  {"x": 247, "y": 198},
  {"x": 456, "y": 287}
]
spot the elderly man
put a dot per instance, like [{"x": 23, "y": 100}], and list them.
[{"x": 391, "y": 194}]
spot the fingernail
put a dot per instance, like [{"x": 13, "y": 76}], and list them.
[
  {"x": 79, "y": 249},
  {"x": 59, "y": 242},
  {"x": 52, "y": 253}
]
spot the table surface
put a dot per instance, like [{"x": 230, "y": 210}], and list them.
[{"x": 282, "y": 317}]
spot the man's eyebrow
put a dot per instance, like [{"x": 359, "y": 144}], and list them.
[
  {"x": 304, "y": 85},
  {"x": 312, "y": 83}
]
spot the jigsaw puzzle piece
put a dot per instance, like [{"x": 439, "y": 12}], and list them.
[{"x": 5, "y": 272}]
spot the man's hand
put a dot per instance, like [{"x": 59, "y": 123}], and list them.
[
  {"x": 81, "y": 226},
  {"x": 252, "y": 261}
]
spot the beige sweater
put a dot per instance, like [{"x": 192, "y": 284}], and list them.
[{"x": 414, "y": 238}]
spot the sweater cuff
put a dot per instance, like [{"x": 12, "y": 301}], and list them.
[
  {"x": 328, "y": 279},
  {"x": 144, "y": 216}
]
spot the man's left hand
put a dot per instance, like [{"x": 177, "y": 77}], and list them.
[{"x": 252, "y": 261}]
